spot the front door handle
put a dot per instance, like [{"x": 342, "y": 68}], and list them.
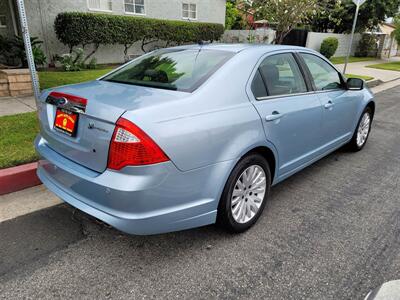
[
  {"x": 275, "y": 116},
  {"x": 329, "y": 105}
]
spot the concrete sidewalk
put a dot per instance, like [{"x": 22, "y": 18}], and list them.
[
  {"x": 360, "y": 68},
  {"x": 26, "y": 201},
  {"x": 16, "y": 105}
]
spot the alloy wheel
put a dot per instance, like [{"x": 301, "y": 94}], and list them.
[
  {"x": 363, "y": 129},
  {"x": 248, "y": 194}
]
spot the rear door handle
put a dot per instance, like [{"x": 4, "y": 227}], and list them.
[
  {"x": 329, "y": 105},
  {"x": 275, "y": 116}
]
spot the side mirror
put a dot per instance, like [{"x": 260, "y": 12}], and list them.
[{"x": 355, "y": 84}]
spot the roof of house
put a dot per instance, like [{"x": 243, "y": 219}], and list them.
[{"x": 387, "y": 28}]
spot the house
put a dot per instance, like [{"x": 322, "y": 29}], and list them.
[
  {"x": 41, "y": 15},
  {"x": 390, "y": 46}
]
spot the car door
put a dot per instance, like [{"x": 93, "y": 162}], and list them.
[
  {"x": 291, "y": 112},
  {"x": 340, "y": 105}
]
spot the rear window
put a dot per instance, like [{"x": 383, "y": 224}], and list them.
[{"x": 174, "y": 69}]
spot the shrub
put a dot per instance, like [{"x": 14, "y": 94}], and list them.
[
  {"x": 92, "y": 64},
  {"x": 234, "y": 18},
  {"x": 81, "y": 29},
  {"x": 13, "y": 53},
  {"x": 75, "y": 28},
  {"x": 73, "y": 61},
  {"x": 6, "y": 54},
  {"x": 367, "y": 46},
  {"x": 329, "y": 47},
  {"x": 39, "y": 56},
  {"x": 126, "y": 32}
]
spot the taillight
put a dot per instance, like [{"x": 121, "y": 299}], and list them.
[{"x": 130, "y": 146}]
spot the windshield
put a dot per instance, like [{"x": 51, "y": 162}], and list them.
[{"x": 175, "y": 69}]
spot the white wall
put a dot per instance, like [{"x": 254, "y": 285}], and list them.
[
  {"x": 242, "y": 36},
  {"x": 314, "y": 40}
]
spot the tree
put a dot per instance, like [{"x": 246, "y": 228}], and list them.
[
  {"x": 396, "y": 32},
  {"x": 232, "y": 15},
  {"x": 327, "y": 17},
  {"x": 338, "y": 15},
  {"x": 285, "y": 14},
  {"x": 372, "y": 13}
]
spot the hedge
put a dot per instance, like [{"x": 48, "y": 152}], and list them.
[{"x": 81, "y": 29}]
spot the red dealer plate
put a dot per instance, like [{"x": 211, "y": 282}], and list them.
[{"x": 66, "y": 121}]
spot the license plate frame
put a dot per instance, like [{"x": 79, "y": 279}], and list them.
[{"x": 66, "y": 122}]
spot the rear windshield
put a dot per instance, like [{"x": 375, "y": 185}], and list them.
[{"x": 174, "y": 69}]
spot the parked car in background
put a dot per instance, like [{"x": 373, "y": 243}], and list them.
[{"x": 193, "y": 135}]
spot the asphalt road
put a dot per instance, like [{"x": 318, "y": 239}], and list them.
[{"x": 330, "y": 232}]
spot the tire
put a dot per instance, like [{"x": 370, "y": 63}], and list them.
[
  {"x": 355, "y": 144},
  {"x": 249, "y": 197}
]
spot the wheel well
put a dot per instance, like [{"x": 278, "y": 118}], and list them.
[
  {"x": 371, "y": 105},
  {"x": 269, "y": 156}
]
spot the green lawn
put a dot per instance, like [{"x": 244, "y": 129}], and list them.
[
  {"x": 391, "y": 66},
  {"x": 50, "y": 79},
  {"x": 342, "y": 60},
  {"x": 16, "y": 139},
  {"x": 366, "y": 78}
]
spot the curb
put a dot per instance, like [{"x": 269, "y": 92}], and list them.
[
  {"x": 386, "y": 86},
  {"x": 18, "y": 178},
  {"x": 374, "y": 83}
]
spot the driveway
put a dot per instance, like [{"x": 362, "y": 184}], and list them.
[{"x": 330, "y": 232}]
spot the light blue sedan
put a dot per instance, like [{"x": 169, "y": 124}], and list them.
[{"x": 195, "y": 135}]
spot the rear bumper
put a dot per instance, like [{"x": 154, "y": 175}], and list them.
[{"x": 139, "y": 200}]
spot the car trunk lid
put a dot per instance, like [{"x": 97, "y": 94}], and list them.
[{"x": 105, "y": 103}]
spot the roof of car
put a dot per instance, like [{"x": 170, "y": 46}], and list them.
[{"x": 241, "y": 47}]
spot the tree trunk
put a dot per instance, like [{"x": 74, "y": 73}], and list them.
[
  {"x": 280, "y": 36},
  {"x": 127, "y": 46},
  {"x": 142, "y": 46},
  {"x": 96, "y": 47},
  {"x": 144, "y": 43}
]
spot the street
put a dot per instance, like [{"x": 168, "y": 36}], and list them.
[{"x": 330, "y": 232}]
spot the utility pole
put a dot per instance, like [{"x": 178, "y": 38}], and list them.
[
  {"x": 358, "y": 3},
  {"x": 28, "y": 48}
]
